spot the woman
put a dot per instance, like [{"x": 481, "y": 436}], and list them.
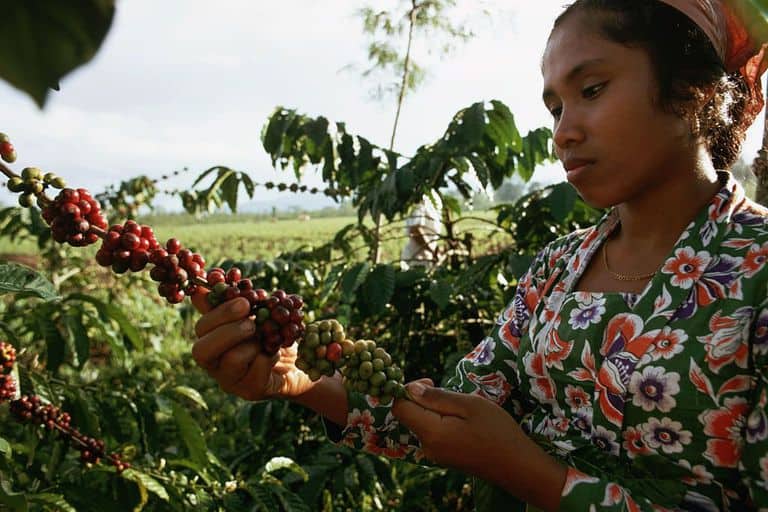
[{"x": 631, "y": 370}]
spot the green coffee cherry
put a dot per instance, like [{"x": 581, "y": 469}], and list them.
[
  {"x": 29, "y": 173},
  {"x": 26, "y": 200},
  {"x": 15, "y": 184}
]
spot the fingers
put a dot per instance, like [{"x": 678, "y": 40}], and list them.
[
  {"x": 209, "y": 348},
  {"x": 259, "y": 381},
  {"x": 439, "y": 400},
  {"x": 228, "y": 312},
  {"x": 199, "y": 300},
  {"x": 234, "y": 364}
]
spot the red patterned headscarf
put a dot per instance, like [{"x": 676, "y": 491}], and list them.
[{"x": 739, "y": 35}]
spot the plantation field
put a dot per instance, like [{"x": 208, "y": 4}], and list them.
[{"x": 243, "y": 237}]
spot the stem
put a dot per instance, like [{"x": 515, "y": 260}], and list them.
[
  {"x": 7, "y": 171},
  {"x": 401, "y": 97}
]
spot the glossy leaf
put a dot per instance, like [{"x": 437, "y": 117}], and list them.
[
  {"x": 49, "y": 41},
  {"x": 24, "y": 282}
]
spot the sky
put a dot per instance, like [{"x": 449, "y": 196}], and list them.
[{"x": 188, "y": 83}]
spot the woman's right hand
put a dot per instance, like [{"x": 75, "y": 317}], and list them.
[{"x": 226, "y": 350}]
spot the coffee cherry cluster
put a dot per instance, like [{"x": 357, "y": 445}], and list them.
[
  {"x": 370, "y": 370},
  {"x": 279, "y": 318},
  {"x": 175, "y": 268},
  {"x": 30, "y": 409},
  {"x": 7, "y": 359},
  {"x": 32, "y": 183},
  {"x": 324, "y": 349},
  {"x": 71, "y": 216},
  {"x": 127, "y": 247},
  {"x": 7, "y": 151}
]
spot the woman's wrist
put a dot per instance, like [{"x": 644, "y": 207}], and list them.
[
  {"x": 327, "y": 397},
  {"x": 533, "y": 475}
]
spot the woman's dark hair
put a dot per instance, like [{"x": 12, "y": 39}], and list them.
[{"x": 693, "y": 82}]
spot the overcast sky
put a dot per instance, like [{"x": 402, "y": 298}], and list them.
[{"x": 190, "y": 84}]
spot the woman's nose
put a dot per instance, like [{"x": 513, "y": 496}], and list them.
[{"x": 568, "y": 130}]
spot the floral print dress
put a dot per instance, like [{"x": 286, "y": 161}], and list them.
[{"x": 655, "y": 401}]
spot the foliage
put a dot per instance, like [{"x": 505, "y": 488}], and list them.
[{"x": 50, "y": 40}]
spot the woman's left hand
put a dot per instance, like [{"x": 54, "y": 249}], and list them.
[{"x": 474, "y": 435}]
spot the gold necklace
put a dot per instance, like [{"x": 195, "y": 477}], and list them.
[{"x": 622, "y": 277}]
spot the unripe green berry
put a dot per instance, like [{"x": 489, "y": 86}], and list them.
[
  {"x": 313, "y": 328},
  {"x": 325, "y": 325},
  {"x": 322, "y": 365},
  {"x": 390, "y": 386},
  {"x": 4, "y": 137},
  {"x": 370, "y": 345},
  {"x": 337, "y": 336},
  {"x": 312, "y": 339},
  {"x": 49, "y": 177},
  {"x": 314, "y": 374},
  {"x": 325, "y": 337},
  {"x": 302, "y": 365},
  {"x": 262, "y": 314},
  {"x": 394, "y": 373},
  {"x": 26, "y": 200},
  {"x": 378, "y": 364},
  {"x": 36, "y": 187},
  {"x": 374, "y": 391},
  {"x": 385, "y": 398},
  {"x": 365, "y": 370},
  {"x": 365, "y": 355},
  {"x": 31, "y": 173},
  {"x": 58, "y": 183},
  {"x": 15, "y": 184},
  {"x": 220, "y": 288},
  {"x": 360, "y": 345},
  {"x": 361, "y": 386},
  {"x": 378, "y": 378},
  {"x": 347, "y": 348}
]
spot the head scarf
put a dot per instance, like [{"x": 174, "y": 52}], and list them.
[{"x": 739, "y": 33}]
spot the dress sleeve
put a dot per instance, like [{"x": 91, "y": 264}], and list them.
[{"x": 488, "y": 370}]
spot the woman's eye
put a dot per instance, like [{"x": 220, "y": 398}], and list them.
[
  {"x": 592, "y": 91},
  {"x": 556, "y": 112}
]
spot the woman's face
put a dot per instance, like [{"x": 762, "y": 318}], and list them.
[{"x": 613, "y": 139}]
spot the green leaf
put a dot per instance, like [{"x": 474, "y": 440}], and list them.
[
  {"x": 379, "y": 287},
  {"x": 115, "y": 313},
  {"x": 278, "y": 463},
  {"x": 229, "y": 189},
  {"x": 262, "y": 496},
  {"x": 440, "y": 293},
  {"x": 191, "y": 434},
  {"x": 192, "y": 394},
  {"x": 353, "y": 278},
  {"x": 15, "y": 500},
  {"x": 50, "y": 39},
  {"x": 561, "y": 200},
  {"x": 5, "y": 448},
  {"x": 147, "y": 482},
  {"x": 56, "y": 501},
  {"x": 24, "y": 281},
  {"x": 55, "y": 344},
  {"x": 79, "y": 334}
]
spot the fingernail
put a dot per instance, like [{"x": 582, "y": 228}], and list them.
[
  {"x": 416, "y": 389},
  {"x": 247, "y": 325}
]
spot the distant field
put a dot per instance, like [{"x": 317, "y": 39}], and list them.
[{"x": 242, "y": 237}]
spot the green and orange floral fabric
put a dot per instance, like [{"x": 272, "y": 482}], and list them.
[{"x": 656, "y": 401}]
